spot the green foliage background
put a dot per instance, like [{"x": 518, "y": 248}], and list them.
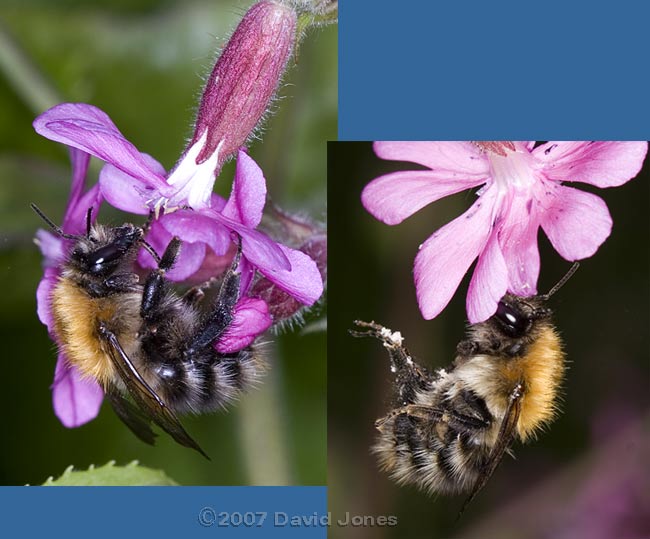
[{"x": 143, "y": 62}]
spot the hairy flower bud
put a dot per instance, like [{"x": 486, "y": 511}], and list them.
[{"x": 244, "y": 79}]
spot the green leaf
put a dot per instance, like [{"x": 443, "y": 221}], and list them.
[{"x": 132, "y": 475}]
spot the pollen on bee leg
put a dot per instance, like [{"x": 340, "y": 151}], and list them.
[{"x": 393, "y": 338}]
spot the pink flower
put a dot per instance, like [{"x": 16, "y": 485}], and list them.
[
  {"x": 236, "y": 98},
  {"x": 76, "y": 400},
  {"x": 520, "y": 190}
]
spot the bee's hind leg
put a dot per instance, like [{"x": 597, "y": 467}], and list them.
[
  {"x": 216, "y": 323},
  {"x": 409, "y": 376},
  {"x": 154, "y": 288}
]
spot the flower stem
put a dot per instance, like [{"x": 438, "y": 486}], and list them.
[
  {"x": 262, "y": 432},
  {"x": 25, "y": 78}
]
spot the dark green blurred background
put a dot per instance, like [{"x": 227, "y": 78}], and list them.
[
  {"x": 589, "y": 469},
  {"x": 142, "y": 61}
]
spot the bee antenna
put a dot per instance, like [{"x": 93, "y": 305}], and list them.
[
  {"x": 89, "y": 221},
  {"x": 51, "y": 224},
  {"x": 561, "y": 282},
  {"x": 150, "y": 250}
]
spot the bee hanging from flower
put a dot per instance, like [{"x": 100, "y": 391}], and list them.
[
  {"x": 450, "y": 429},
  {"x": 142, "y": 340}
]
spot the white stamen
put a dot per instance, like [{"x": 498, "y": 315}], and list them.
[{"x": 194, "y": 182}]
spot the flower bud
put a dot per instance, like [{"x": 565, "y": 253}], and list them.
[{"x": 244, "y": 79}]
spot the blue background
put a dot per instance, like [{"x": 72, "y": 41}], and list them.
[
  {"x": 115, "y": 512},
  {"x": 471, "y": 70}
]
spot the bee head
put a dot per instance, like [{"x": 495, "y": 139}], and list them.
[
  {"x": 516, "y": 315},
  {"x": 105, "y": 249}
]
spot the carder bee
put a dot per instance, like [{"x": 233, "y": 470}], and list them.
[
  {"x": 449, "y": 429},
  {"x": 149, "y": 348}
]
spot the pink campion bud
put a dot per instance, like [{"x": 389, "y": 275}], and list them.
[{"x": 244, "y": 80}]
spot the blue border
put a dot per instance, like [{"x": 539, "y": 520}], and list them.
[
  {"x": 178, "y": 512},
  {"x": 506, "y": 69}
]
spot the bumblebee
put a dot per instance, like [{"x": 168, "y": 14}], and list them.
[
  {"x": 149, "y": 348},
  {"x": 449, "y": 429}
]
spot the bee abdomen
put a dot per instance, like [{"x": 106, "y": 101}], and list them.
[
  {"x": 230, "y": 376},
  {"x": 413, "y": 452},
  {"x": 208, "y": 382}
]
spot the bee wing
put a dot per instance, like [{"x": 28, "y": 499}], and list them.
[
  {"x": 149, "y": 403},
  {"x": 131, "y": 416},
  {"x": 504, "y": 438}
]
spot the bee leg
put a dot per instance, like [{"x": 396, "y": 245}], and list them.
[
  {"x": 400, "y": 359},
  {"x": 154, "y": 288},
  {"x": 409, "y": 376},
  {"x": 222, "y": 312},
  {"x": 472, "y": 347},
  {"x": 467, "y": 412},
  {"x": 123, "y": 282},
  {"x": 412, "y": 410}
]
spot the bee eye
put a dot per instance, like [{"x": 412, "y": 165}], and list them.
[
  {"x": 513, "y": 322},
  {"x": 103, "y": 257}
]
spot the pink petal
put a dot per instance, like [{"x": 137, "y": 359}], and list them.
[
  {"x": 217, "y": 202},
  {"x": 577, "y": 223},
  {"x": 248, "y": 194},
  {"x": 125, "y": 192},
  {"x": 189, "y": 259},
  {"x": 528, "y": 144},
  {"x": 260, "y": 250},
  {"x": 130, "y": 194},
  {"x": 210, "y": 227},
  {"x": 489, "y": 282},
  {"x": 90, "y": 129},
  {"x": 251, "y": 318},
  {"x": 212, "y": 266},
  {"x": 79, "y": 161},
  {"x": 462, "y": 159},
  {"x": 603, "y": 164},
  {"x": 196, "y": 227},
  {"x": 303, "y": 281},
  {"x": 44, "y": 295},
  {"x": 246, "y": 274},
  {"x": 76, "y": 401},
  {"x": 519, "y": 223},
  {"x": 447, "y": 255},
  {"x": 53, "y": 247},
  {"x": 75, "y": 221},
  {"x": 188, "y": 262},
  {"x": 394, "y": 197}
]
